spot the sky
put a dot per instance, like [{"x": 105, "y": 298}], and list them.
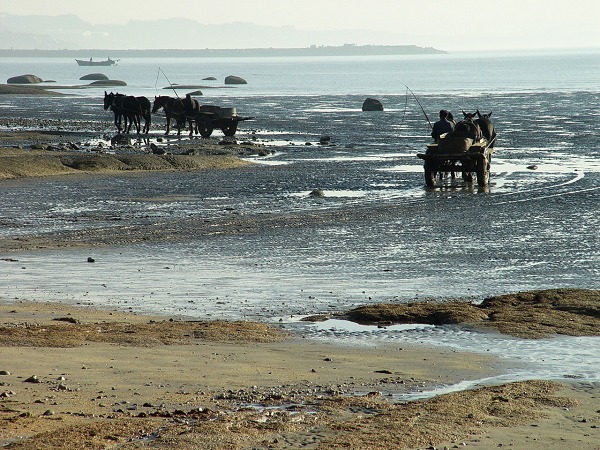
[{"x": 453, "y": 26}]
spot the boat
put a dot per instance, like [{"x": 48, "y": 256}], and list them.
[{"x": 91, "y": 62}]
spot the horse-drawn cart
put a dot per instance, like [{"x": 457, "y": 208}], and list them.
[
  {"x": 211, "y": 117},
  {"x": 458, "y": 155}
]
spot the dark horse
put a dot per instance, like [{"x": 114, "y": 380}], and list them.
[
  {"x": 124, "y": 107},
  {"x": 145, "y": 112},
  {"x": 487, "y": 127},
  {"x": 191, "y": 108},
  {"x": 174, "y": 108},
  {"x": 468, "y": 128},
  {"x": 109, "y": 103}
]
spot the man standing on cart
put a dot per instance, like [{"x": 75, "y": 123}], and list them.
[{"x": 441, "y": 126}]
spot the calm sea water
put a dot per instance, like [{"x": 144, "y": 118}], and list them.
[
  {"x": 464, "y": 73},
  {"x": 531, "y": 229}
]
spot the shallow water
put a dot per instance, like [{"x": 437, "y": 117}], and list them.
[{"x": 377, "y": 235}]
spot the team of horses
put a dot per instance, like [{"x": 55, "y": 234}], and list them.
[
  {"x": 475, "y": 126},
  {"x": 129, "y": 110}
]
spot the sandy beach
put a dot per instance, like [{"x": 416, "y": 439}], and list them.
[
  {"x": 78, "y": 377},
  {"x": 83, "y": 378}
]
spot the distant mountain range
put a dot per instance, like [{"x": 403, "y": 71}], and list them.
[{"x": 69, "y": 32}]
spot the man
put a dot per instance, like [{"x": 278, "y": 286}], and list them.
[{"x": 441, "y": 126}]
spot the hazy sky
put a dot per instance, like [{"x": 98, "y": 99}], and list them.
[{"x": 450, "y": 25}]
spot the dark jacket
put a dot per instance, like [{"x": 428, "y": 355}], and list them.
[{"x": 440, "y": 127}]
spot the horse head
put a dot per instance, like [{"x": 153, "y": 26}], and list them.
[
  {"x": 468, "y": 116},
  {"x": 159, "y": 102},
  {"x": 483, "y": 116},
  {"x": 108, "y": 99}
]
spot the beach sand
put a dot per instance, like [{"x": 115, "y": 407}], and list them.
[
  {"x": 101, "y": 379},
  {"x": 76, "y": 377}
]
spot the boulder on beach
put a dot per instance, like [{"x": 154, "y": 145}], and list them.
[
  {"x": 94, "y": 76},
  {"x": 232, "y": 79},
  {"x": 108, "y": 83},
  {"x": 372, "y": 104},
  {"x": 24, "y": 79}
]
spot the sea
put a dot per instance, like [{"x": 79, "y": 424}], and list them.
[{"x": 377, "y": 235}]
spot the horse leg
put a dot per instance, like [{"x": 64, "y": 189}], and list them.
[{"x": 168, "y": 124}]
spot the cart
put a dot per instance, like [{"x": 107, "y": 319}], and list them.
[
  {"x": 211, "y": 117},
  {"x": 458, "y": 155}
]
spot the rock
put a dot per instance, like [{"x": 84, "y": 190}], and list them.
[
  {"x": 232, "y": 79},
  {"x": 120, "y": 139},
  {"x": 94, "y": 76},
  {"x": 108, "y": 83},
  {"x": 324, "y": 140},
  {"x": 24, "y": 79},
  {"x": 196, "y": 93},
  {"x": 90, "y": 259},
  {"x": 372, "y": 104},
  {"x": 317, "y": 193},
  {"x": 532, "y": 167},
  {"x": 4, "y": 372},
  {"x": 156, "y": 150},
  {"x": 32, "y": 379},
  {"x": 209, "y": 78}
]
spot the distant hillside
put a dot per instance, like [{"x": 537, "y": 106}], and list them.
[
  {"x": 70, "y": 32},
  {"x": 344, "y": 50}
]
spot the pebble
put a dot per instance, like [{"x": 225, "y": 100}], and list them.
[
  {"x": 32, "y": 379},
  {"x": 4, "y": 372}
]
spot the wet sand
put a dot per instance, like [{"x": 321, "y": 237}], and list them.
[{"x": 82, "y": 378}]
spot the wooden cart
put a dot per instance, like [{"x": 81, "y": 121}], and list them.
[
  {"x": 458, "y": 155},
  {"x": 211, "y": 117}
]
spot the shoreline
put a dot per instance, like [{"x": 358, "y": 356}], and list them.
[
  {"x": 198, "y": 389},
  {"x": 77, "y": 376}
]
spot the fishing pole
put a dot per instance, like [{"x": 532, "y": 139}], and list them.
[
  {"x": 426, "y": 116},
  {"x": 170, "y": 84}
]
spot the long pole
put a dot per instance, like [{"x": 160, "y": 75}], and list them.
[
  {"x": 426, "y": 116},
  {"x": 170, "y": 84}
]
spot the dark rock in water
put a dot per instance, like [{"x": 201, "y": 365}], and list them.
[
  {"x": 90, "y": 259},
  {"x": 209, "y": 78},
  {"x": 324, "y": 140},
  {"x": 232, "y": 79},
  {"x": 196, "y": 93},
  {"x": 372, "y": 104},
  {"x": 94, "y": 76},
  {"x": 532, "y": 167},
  {"x": 24, "y": 79},
  {"x": 108, "y": 83},
  {"x": 317, "y": 193}
]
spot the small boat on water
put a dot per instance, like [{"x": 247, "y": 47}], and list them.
[{"x": 91, "y": 62}]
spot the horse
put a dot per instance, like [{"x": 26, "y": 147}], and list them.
[
  {"x": 124, "y": 107},
  {"x": 173, "y": 108},
  {"x": 145, "y": 110},
  {"x": 109, "y": 102},
  {"x": 191, "y": 108},
  {"x": 130, "y": 109},
  {"x": 468, "y": 128},
  {"x": 487, "y": 127}
]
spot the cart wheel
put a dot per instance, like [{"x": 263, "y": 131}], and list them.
[
  {"x": 483, "y": 172},
  {"x": 229, "y": 127},
  {"x": 429, "y": 174},
  {"x": 205, "y": 127}
]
